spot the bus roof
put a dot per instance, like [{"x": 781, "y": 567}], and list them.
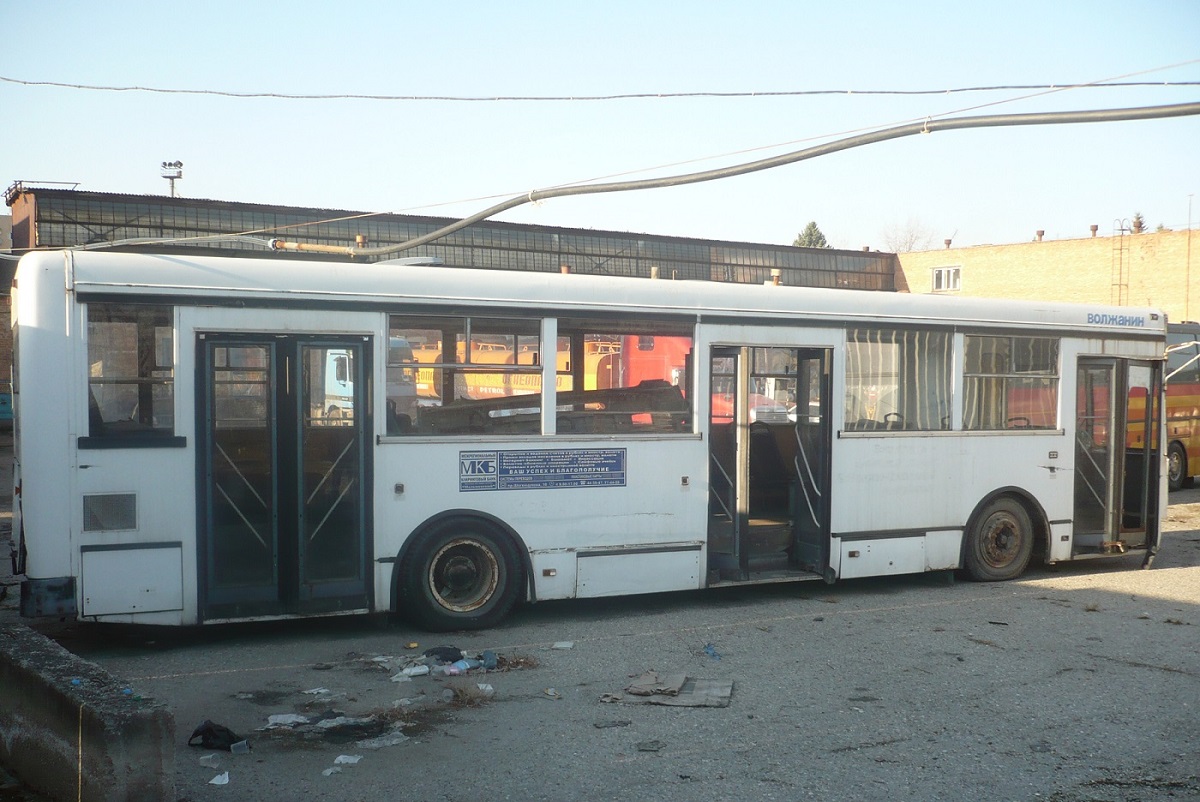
[{"x": 272, "y": 282}]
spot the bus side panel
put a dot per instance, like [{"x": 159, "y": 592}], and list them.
[
  {"x": 656, "y": 518},
  {"x": 45, "y": 423},
  {"x": 925, "y": 487},
  {"x": 141, "y": 564}
]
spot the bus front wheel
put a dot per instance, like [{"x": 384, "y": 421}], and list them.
[
  {"x": 463, "y": 574},
  {"x": 1177, "y": 469},
  {"x": 1000, "y": 542}
]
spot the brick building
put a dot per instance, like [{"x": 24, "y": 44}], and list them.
[{"x": 1149, "y": 269}]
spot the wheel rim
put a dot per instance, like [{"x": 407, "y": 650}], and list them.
[
  {"x": 1002, "y": 540},
  {"x": 1174, "y": 465},
  {"x": 463, "y": 575}
]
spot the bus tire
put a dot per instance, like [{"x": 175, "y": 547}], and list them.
[
  {"x": 1177, "y": 467},
  {"x": 1000, "y": 541},
  {"x": 462, "y": 574}
]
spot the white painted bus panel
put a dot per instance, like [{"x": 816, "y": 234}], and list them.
[
  {"x": 653, "y": 508},
  {"x": 554, "y": 573},
  {"x": 610, "y": 574},
  {"x": 863, "y": 558},
  {"x": 130, "y": 581},
  {"x": 943, "y": 549},
  {"x": 299, "y": 282},
  {"x": 901, "y": 481},
  {"x": 1060, "y": 541},
  {"x": 49, "y": 387},
  {"x": 162, "y": 480}
]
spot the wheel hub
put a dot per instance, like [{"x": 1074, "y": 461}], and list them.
[
  {"x": 463, "y": 575},
  {"x": 1001, "y": 542}
]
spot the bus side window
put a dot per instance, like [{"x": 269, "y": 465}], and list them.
[
  {"x": 130, "y": 370},
  {"x": 897, "y": 380}
]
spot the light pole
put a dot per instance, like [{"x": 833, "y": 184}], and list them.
[{"x": 172, "y": 171}]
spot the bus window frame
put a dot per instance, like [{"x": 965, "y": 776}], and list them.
[{"x": 154, "y": 342}]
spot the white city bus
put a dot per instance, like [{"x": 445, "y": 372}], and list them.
[{"x": 177, "y": 460}]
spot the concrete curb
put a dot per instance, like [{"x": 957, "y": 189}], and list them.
[{"x": 69, "y": 729}]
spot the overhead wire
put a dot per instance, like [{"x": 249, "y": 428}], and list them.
[
  {"x": 1048, "y": 89},
  {"x": 585, "y": 98},
  {"x": 589, "y": 185},
  {"x": 926, "y": 127}
]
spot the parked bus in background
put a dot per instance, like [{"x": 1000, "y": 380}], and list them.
[
  {"x": 1183, "y": 404},
  {"x": 383, "y": 438}
]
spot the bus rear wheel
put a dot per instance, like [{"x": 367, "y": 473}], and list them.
[
  {"x": 1177, "y": 469},
  {"x": 463, "y": 574},
  {"x": 1000, "y": 542}
]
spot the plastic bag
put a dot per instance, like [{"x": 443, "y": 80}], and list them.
[{"x": 214, "y": 736}]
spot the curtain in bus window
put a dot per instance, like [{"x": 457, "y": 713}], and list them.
[
  {"x": 463, "y": 375},
  {"x": 634, "y": 377},
  {"x": 130, "y": 370},
  {"x": 897, "y": 380},
  {"x": 1010, "y": 383}
]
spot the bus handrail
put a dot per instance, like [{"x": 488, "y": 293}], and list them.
[
  {"x": 729, "y": 483},
  {"x": 802, "y": 454}
]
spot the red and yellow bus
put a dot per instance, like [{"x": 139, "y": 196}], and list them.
[{"x": 1183, "y": 404}]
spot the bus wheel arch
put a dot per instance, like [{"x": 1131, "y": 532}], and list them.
[
  {"x": 1002, "y": 534},
  {"x": 460, "y": 570},
  {"x": 1177, "y": 466}
]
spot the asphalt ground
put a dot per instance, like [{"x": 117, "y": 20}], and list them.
[{"x": 1078, "y": 682}]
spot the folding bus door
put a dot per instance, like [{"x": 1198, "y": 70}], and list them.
[
  {"x": 283, "y": 475},
  {"x": 769, "y": 451},
  {"x": 1117, "y": 455},
  {"x": 813, "y": 431}
]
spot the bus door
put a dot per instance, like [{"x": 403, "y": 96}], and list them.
[
  {"x": 1117, "y": 456},
  {"x": 769, "y": 446},
  {"x": 283, "y": 474},
  {"x": 814, "y": 443}
]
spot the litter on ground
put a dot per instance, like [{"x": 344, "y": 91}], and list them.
[{"x": 675, "y": 690}]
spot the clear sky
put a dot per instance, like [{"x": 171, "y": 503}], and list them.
[{"x": 444, "y": 157}]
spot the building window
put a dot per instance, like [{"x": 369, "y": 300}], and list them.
[
  {"x": 1010, "y": 383},
  {"x": 947, "y": 279}
]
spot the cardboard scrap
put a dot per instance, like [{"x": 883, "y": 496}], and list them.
[{"x": 675, "y": 690}]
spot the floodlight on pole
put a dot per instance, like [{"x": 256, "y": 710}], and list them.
[{"x": 172, "y": 171}]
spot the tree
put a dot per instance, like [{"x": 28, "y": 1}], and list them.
[
  {"x": 1138, "y": 226},
  {"x": 811, "y": 237},
  {"x": 912, "y": 236}
]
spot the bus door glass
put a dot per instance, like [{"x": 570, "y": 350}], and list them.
[
  {"x": 769, "y": 444},
  {"x": 283, "y": 475},
  {"x": 812, "y": 460},
  {"x": 1116, "y": 455}
]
